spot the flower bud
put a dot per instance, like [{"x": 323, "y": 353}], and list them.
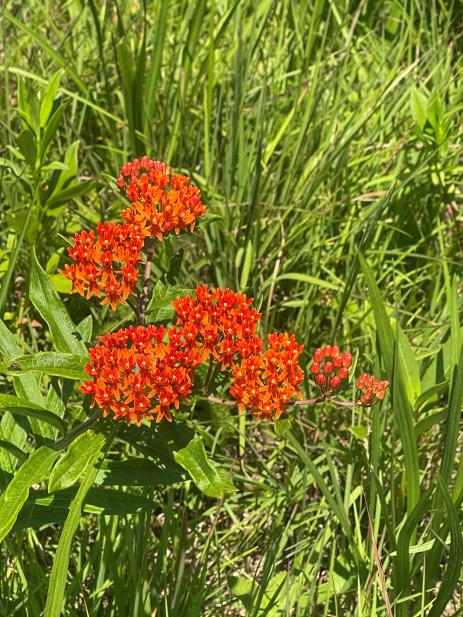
[{"x": 335, "y": 382}]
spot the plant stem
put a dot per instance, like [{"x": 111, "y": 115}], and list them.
[
  {"x": 150, "y": 244},
  {"x": 75, "y": 432},
  {"x": 208, "y": 376},
  {"x": 305, "y": 403}
]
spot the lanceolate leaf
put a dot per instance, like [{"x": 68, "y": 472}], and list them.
[
  {"x": 21, "y": 407},
  {"x": 65, "y": 365},
  {"x": 33, "y": 471},
  {"x": 452, "y": 422},
  {"x": 402, "y": 569},
  {"x": 45, "y": 509},
  {"x": 13, "y": 450},
  {"x": 45, "y": 298},
  {"x": 26, "y": 387},
  {"x": 203, "y": 472},
  {"x": 69, "y": 468},
  {"x": 140, "y": 472},
  {"x": 390, "y": 351},
  {"x": 59, "y": 571},
  {"x": 452, "y": 573}
]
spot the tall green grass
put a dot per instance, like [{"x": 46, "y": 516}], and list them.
[{"x": 327, "y": 135}]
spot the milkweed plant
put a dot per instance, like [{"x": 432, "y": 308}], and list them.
[{"x": 139, "y": 383}]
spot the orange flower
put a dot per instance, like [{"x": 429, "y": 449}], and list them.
[
  {"x": 162, "y": 201},
  {"x": 219, "y": 323},
  {"x": 371, "y": 389},
  {"x": 135, "y": 375},
  {"x": 265, "y": 383},
  {"x": 106, "y": 263}
]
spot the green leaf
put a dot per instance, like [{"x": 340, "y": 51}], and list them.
[
  {"x": 282, "y": 425},
  {"x": 429, "y": 421},
  {"x": 391, "y": 353},
  {"x": 209, "y": 217},
  {"x": 22, "y": 407},
  {"x": 175, "y": 264},
  {"x": 335, "y": 506},
  {"x": 203, "y": 472},
  {"x": 359, "y": 432},
  {"x": 402, "y": 562},
  {"x": 46, "y": 104},
  {"x": 61, "y": 283},
  {"x": 246, "y": 266},
  {"x": 54, "y": 363},
  {"x": 69, "y": 468},
  {"x": 33, "y": 471},
  {"x": 85, "y": 328},
  {"x": 451, "y": 576},
  {"x": 45, "y": 298},
  {"x": 50, "y": 130},
  {"x": 161, "y": 300},
  {"x": 71, "y": 192},
  {"x": 13, "y": 450},
  {"x": 140, "y": 472},
  {"x": 430, "y": 393},
  {"x": 55, "y": 597},
  {"x": 306, "y": 278},
  {"x": 419, "y": 105},
  {"x": 27, "y": 388},
  {"x": 43, "y": 508},
  {"x": 28, "y": 147},
  {"x": 452, "y": 425},
  {"x": 409, "y": 365}
]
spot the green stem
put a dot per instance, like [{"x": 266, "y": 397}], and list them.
[
  {"x": 150, "y": 244},
  {"x": 76, "y": 431}
]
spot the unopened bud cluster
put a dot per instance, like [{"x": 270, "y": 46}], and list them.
[
  {"x": 330, "y": 368},
  {"x": 371, "y": 389}
]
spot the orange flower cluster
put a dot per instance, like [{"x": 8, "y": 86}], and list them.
[
  {"x": 106, "y": 263},
  {"x": 266, "y": 382},
  {"x": 141, "y": 372},
  {"x": 371, "y": 389},
  {"x": 136, "y": 374},
  {"x": 162, "y": 201},
  {"x": 219, "y": 323},
  {"x": 330, "y": 368}
]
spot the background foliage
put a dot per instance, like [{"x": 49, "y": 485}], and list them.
[{"x": 327, "y": 135}]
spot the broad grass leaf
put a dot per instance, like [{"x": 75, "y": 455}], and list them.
[
  {"x": 55, "y": 597},
  {"x": 390, "y": 347},
  {"x": 402, "y": 562},
  {"x": 33, "y": 471},
  {"x": 451, "y": 577},
  {"x": 48, "y": 97},
  {"x": 409, "y": 366}
]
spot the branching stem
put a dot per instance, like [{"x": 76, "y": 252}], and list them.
[
  {"x": 150, "y": 244},
  {"x": 305, "y": 403}
]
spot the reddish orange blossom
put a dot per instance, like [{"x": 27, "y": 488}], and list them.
[
  {"x": 162, "y": 202},
  {"x": 140, "y": 373},
  {"x": 265, "y": 383}
]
